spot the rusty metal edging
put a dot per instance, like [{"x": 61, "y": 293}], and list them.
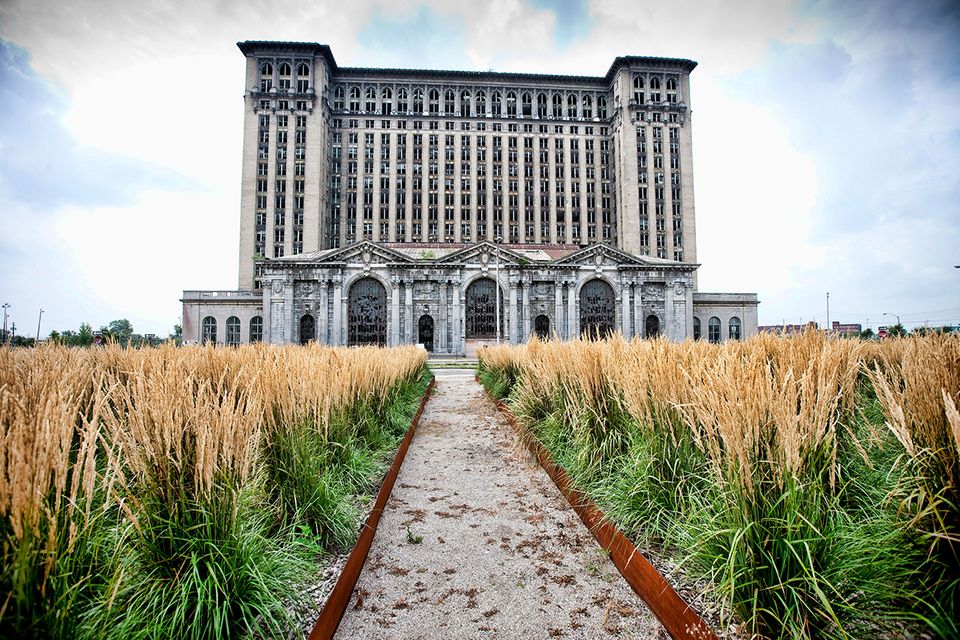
[
  {"x": 677, "y": 617},
  {"x": 339, "y": 598}
]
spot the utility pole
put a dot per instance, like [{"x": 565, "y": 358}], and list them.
[{"x": 38, "y": 325}]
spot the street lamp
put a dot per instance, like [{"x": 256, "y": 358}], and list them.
[
  {"x": 496, "y": 290},
  {"x": 894, "y": 315},
  {"x": 38, "y": 325},
  {"x": 6, "y": 306}
]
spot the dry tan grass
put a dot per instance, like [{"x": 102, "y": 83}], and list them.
[{"x": 194, "y": 414}]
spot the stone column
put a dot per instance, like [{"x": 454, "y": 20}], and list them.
[
  {"x": 558, "y": 307},
  {"x": 513, "y": 311},
  {"x": 440, "y": 324},
  {"x": 638, "y": 309},
  {"x": 338, "y": 319},
  {"x": 408, "y": 305},
  {"x": 626, "y": 328},
  {"x": 458, "y": 346},
  {"x": 395, "y": 338},
  {"x": 572, "y": 305},
  {"x": 525, "y": 327},
  {"x": 322, "y": 328},
  {"x": 667, "y": 329}
]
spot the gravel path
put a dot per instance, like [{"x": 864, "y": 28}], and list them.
[{"x": 476, "y": 542}]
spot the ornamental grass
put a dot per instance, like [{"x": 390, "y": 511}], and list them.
[
  {"x": 148, "y": 493},
  {"x": 811, "y": 480}
]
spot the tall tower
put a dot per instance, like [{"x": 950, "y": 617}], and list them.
[{"x": 285, "y": 135}]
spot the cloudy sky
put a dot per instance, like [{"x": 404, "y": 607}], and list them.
[{"x": 826, "y": 139}]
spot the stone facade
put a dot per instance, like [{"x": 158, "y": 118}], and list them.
[{"x": 381, "y": 205}]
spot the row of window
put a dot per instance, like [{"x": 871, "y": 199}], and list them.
[
  {"x": 282, "y": 77},
  {"x": 734, "y": 327},
  {"x": 650, "y": 90},
  {"x": 467, "y": 103},
  {"x": 232, "y": 336}
]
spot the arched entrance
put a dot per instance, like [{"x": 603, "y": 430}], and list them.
[
  {"x": 367, "y": 313},
  {"x": 541, "y": 327},
  {"x": 425, "y": 332},
  {"x": 597, "y": 309},
  {"x": 480, "y": 309},
  {"x": 652, "y": 326},
  {"x": 308, "y": 329}
]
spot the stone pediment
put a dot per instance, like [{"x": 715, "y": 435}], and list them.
[
  {"x": 362, "y": 253},
  {"x": 602, "y": 255},
  {"x": 483, "y": 253}
]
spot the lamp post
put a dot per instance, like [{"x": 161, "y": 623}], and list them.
[
  {"x": 38, "y": 325},
  {"x": 894, "y": 315},
  {"x": 496, "y": 290},
  {"x": 6, "y": 306}
]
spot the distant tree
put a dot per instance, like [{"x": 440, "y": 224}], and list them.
[
  {"x": 55, "y": 337},
  {"x": 896, "y": 331},
  {"x": 84, "y": 337},
  {"x": 121, "y": 329},
  {"x": 866, "y": 334},
  {"x": 177, "y": 335}
]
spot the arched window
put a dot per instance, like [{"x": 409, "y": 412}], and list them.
[
  {"x": 655, "y": 90},
  {"x": 572, "y": 106},
  {"x": 266, "y": 76},
  {"x": 354, "y": 98},
  {"x": 480, "y": 311},
  {"x": 308, "y": 329},
  {"x": 696, "y": 329},
  {"x": 209, "y": 330},
  {"x": 386, "y": 102},
  {"x": 465, "y": 109},
  {"x": 367, "y": 313},
  {"x": 542, "y": 105},
  {"x": 587, "y": 107},
  {"x": 602, "y": 108},
  {"x": 511, "y": 104},
  {"x": 425, "y": 332},
  {"x": 597, "y": 309},
  {"x": 434, "y": 101},
  {"x": 527, "y": 103},
  {"x": 671, "y": 91},
  {"x": 371, "y": 99},
  {"x": 256, "y": 329},
  {"x": 736, "y": 332},
  {"x": 481, "y": 103},
  {"x": 638, "y": 90},
  {"x": 403, "y": 104},
  {"x": 284, "y": 70},
  {"x": 303, "y": 78},
  {"x": 652, "y": 326},
  {"x": 418, "y": 101},
  {"x": 541, "y": 327},
  {"x": 713, "y": 330},
  {"x": 338, "y": 98},
  {"x": 449, "y": 102},
  {"x": 496, "y": 104},
  {"x": 557, "y": 105},
  {"x": 233, "y": 331}
]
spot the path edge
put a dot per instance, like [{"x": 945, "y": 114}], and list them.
[
  {"x": 339, "y": 598},
  {"x": 679, "y": 619}
]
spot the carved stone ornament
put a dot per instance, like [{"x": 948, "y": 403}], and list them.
[
  {"x": 484, "y": 257},
  {"x": 367, "y": 256},
  {"x": 277, "y": 287},
  {"x": 679, "y": 288}
]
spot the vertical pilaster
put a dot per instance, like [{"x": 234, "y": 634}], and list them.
[
  {"x": 625, "y": 327},
  {"x": 395, "y": 338},
  {"x": 336, "y": 338},
  {"x": 513, "y": 311},
  {"x": 525, "y": 326},
  {"x": 458, "y": 346},
  {"x": 558, "y": 308},
  {"x": 408, "y": 305},
  {"x": 638, "y": 309},
  {"x": 322, "y": 328},
  {"x": 572, "y": 309}
]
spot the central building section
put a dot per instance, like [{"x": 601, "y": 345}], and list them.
[{"x": 455, "y": 208}]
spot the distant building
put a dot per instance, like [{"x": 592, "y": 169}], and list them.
[
  {"x": 395, "y": 206},
  {"x": 787, "y": 329},
  {"x": 846, "y": 329}
]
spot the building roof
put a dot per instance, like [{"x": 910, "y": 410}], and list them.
[{"x": 251, "y": 47}]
